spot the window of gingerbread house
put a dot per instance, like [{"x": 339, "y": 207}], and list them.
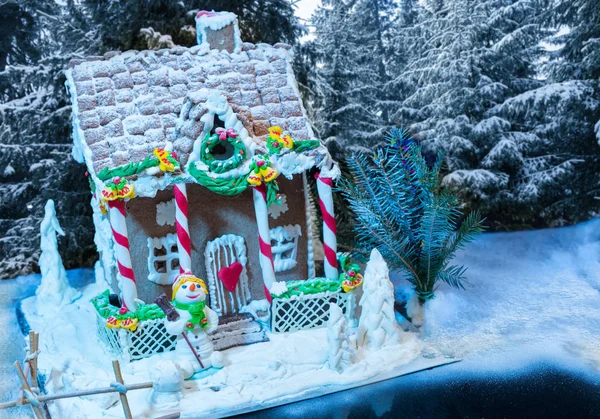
[
  {"x": 284, "y": 246},
  {"x": 163, "y": 259}
]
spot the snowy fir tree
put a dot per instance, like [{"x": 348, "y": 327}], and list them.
[
  {"x": 402, "y": 210},
  {"x": 560, "y": 176},
  {"x": 54, "y": 289},
  {"x": 35, "y": 142},
  {"x": 349, "y": 75},
  {"x": 377, "y": 326},
  {"x": 341, "y": 346}
]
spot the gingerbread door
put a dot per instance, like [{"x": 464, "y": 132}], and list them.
[{"x": 226, "y": 259}]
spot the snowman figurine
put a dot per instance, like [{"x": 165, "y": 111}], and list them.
[{"x": 196, "y": 320}]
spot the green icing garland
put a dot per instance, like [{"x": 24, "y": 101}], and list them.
[
  {"x": 144, "y": 311},
  {"x": 311, "y": 286},
  {"x": 129, "y": 169},
  {"x": 222, "y": 166},
  {"x": 228, "y": 187},
  {"x": 303, "y": 145}
]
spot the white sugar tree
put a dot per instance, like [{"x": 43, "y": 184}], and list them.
[
  {"x": 54, "y": 290},
  {"x": 341, "y": 347},
  {"x": 377, "y": 326}
]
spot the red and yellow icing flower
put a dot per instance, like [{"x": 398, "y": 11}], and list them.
[
  {"x": 117, "y": 188},
  {"x": 277, "y": 141},
  {"x": 167, "y": 159},
  {"x": 129, "y": 324}
]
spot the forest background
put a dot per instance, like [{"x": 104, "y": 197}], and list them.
[{"x": 508, "y": 89}]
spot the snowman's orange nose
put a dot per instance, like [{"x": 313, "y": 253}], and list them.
[{"x": 192, "y": 287}]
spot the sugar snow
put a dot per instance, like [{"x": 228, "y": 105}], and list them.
[
  {"x": 282, "y": 369},
  {"x": 536, "y": 293},
  {"x": 531, "y": 295}
]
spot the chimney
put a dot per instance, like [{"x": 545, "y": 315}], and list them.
[{"x": 218, "y": 31}]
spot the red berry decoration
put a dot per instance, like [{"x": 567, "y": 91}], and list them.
[
  {"x": 276, "y": 144},
  {"x": 352, "y": 273},
  {"x": 123, "y": 310},
  {"x": 117, "y": 180},
  {"x": 260, "y": 163},
  {"x": 189, "y": 325}
]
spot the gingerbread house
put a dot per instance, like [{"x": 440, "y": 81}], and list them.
[{"x": 198, "y": 159}]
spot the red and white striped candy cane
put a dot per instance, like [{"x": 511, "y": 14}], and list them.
[
  {"x": 324, "y": 186},
  {"x": 264, "y": 238},
  {"x": 116, "y": 212},
  {"x": 184, "y": 244}
]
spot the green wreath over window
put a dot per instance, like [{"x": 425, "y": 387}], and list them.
[{"x": 222, "y": 138}]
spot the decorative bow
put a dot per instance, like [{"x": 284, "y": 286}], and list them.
[
  {"x": 206, "y": 13},
  {"x": 226, "y": 133},
  {"x": 261, "y": 170}
]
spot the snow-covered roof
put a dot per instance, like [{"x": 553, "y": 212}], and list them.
[{"x": 127, "y": 104}]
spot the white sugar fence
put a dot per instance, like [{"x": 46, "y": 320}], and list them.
[
  {"x": 151, "y": 337},
  {"x": 308, "y": 311},
  {"x": 298, "y": 312}
]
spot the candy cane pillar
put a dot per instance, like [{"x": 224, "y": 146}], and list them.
[
  {"x": 264, "y": 238},
  {"x": 324, "y": 186},
  {"x": 116, "y": 213},
  {"x": 184, "y": 244}
]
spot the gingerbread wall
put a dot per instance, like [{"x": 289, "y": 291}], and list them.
[{"x": 210, "y": 216}]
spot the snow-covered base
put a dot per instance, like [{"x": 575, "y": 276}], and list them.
[{"x": 291, "y": 367}]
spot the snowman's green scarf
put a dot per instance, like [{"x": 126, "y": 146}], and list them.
[{"x": 197, "y": 312}]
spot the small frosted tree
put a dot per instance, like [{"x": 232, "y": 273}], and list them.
[
  {"x": 54, "y": 290},
  {"x": 377, "y": 326},
  {"x": 341, "y": 347}
]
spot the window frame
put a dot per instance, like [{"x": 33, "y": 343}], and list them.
[
  {"x": 168, "y": 242},
  {"x": 286, "y": 238}
]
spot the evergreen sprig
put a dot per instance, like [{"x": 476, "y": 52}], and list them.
[{"x": 402, "y": 210}]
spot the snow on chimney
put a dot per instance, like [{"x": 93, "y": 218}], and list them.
[{"x": 218, "y": 31}]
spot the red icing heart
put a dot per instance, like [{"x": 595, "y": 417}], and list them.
[{"x": 230, "y": 275}]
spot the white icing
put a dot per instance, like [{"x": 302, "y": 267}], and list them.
[
  {"x": 216, "y": 104},
  {"x": 54, "y": 290},
  {"x": 169, "y": 242},
  {"x": 217, "y": 22},
  {"x": 256, "y": 306},
  {"x": 168, "y": 383},
  {"x": 285, "y": 248},
  {"x": 290, "y": 164},
  {"x": 330, "y": 169},
  {"x": 377, "y": 326},
  {"x": 103, "y": 239},
  {"x": 147, "y": 186},
  {"x": 81, "y": 151},
  {"x": 275, "y": 209},
  {"x": 222, "y": 252},
  {"x": 165, "y": 213},
  {"x": 279, "y": 288},
  {"x": 309, "y": 228},
  {"x": 340, "y": 346}
]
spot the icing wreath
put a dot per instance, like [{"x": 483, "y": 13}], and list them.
[{"x": 221, "y": 136}]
